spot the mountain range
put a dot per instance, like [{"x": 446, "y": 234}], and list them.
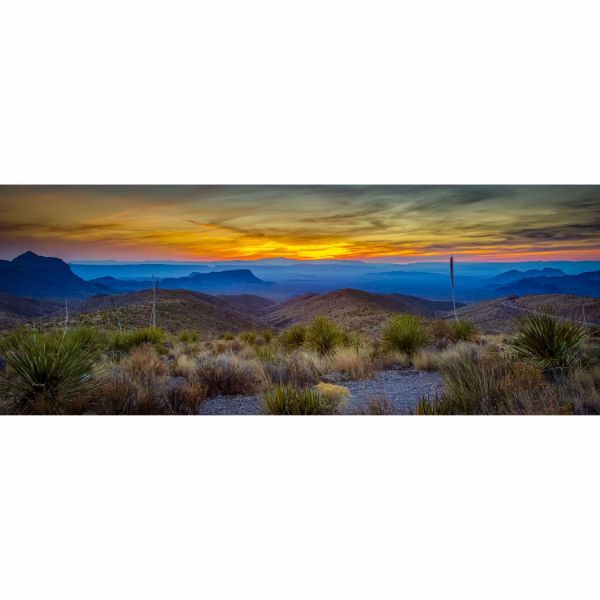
[{"x": 44, "y": 278}]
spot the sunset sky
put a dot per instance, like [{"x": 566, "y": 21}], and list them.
[{"x": 384, "y": 223}]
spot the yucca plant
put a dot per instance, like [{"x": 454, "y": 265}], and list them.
[
  {"x": 323, "y": 336},
  {"x": 554, "y": 345},
  {"x": 405, "y": 333},
  {"x": 463, "y": 331},
  {"x": 290, "y": 400},
  {"x": 45, "y": 371}
]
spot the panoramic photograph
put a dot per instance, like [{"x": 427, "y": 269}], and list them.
[{"x": 300, "y": 300}]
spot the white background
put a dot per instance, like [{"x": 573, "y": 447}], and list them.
[{"x": 299, "y": 92}]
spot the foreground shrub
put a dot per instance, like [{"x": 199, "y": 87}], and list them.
[
  {"x": 554, "y": 345},
  {"x": 143, "y": 362},
  {"x": 405, "y": 333},
  {"x": 45, "y": 372},
  {"x": 323, "y": 336},
  {"x": 495, "y": 385},
  {"x": 293, "y": 338},
  {"x": 124, "y": 341},
  {"x": 229, "y": 374},
  {"x": 290, "y": 400},
  {"x": 463, "y": 331},
  {"x": 125, "y": 391}
]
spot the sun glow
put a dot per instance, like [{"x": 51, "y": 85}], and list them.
[{"x": 305, "y": 222}]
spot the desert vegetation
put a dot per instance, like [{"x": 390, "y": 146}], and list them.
[{"x": 548, "y": 366}]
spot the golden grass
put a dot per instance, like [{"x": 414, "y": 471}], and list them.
[{"x": 352, "y": 363}]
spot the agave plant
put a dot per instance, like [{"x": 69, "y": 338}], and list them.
[
  {"x": 43, "y": 371},
  {"x": 553, "y": 344}
]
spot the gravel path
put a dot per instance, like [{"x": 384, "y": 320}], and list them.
[{"x": 400, "y": 388}]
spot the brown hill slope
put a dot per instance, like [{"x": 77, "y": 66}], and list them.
[
  {"x": 176, "y": 310},
  {"x": 247, "y": 302},
  {"x": 16, "y": 309},
  {"x": 353, "y": 309},
  {"x": 499, "y": 315}
]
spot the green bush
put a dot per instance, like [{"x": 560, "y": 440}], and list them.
[
  {"x": 248, "y": 337},
  {"x": 405, "y": 333},
  {"x": 188, "y": 337},
  {"x": 463, "y": 331},
  {"x": 554, "y": 345},
  {"x": 124, "y": 341},
  {"x": 290, "y": 400},
  {"x": 267, "y": 336},
  {"x": 323, "y": 336},
  {"x": 44, "y": 372},
  {"x": 294, "y": 337}
]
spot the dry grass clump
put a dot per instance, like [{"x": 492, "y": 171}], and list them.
[
  {"x": 495, "y": 385},
  {"x": 352, "y": 363},
  {"x": 299, "y": 368},
  {"x": 124, "y": 392},
  {"x": 392, "y": 359},
  {"x": 434, "y": 360},
  {"x": 291, "y": 400},
  {"x": 378, "y": 407},
  {"x": 582, "y": 388},
  {"x": 184, "y": 365},
  {"x": 143, "y": 362},
  {"x": 229, "y": 374},
  {"x": 336, "y": 393}
]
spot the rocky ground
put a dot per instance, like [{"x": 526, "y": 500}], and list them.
[{"x": 401, "y": 389}]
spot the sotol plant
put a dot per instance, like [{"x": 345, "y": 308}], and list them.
[
  {"x": 323, "y": 336},
  {"x": 552, "y": 344},
  {"x": 405, "y": 333},
  {"x": 46, "y": 371}
]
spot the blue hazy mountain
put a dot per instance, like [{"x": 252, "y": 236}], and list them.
[
  {"x": 583, "y": 284},
  {"x": 40, "y": 277}
]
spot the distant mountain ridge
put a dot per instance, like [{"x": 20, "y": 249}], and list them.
[
  {"x": 515, "y": 274},
  {"x": 584, "y": 284},
  {"x": 31, "y": 275}
]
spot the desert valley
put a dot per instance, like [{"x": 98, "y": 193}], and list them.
[{"x": 218, "y": 339}]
